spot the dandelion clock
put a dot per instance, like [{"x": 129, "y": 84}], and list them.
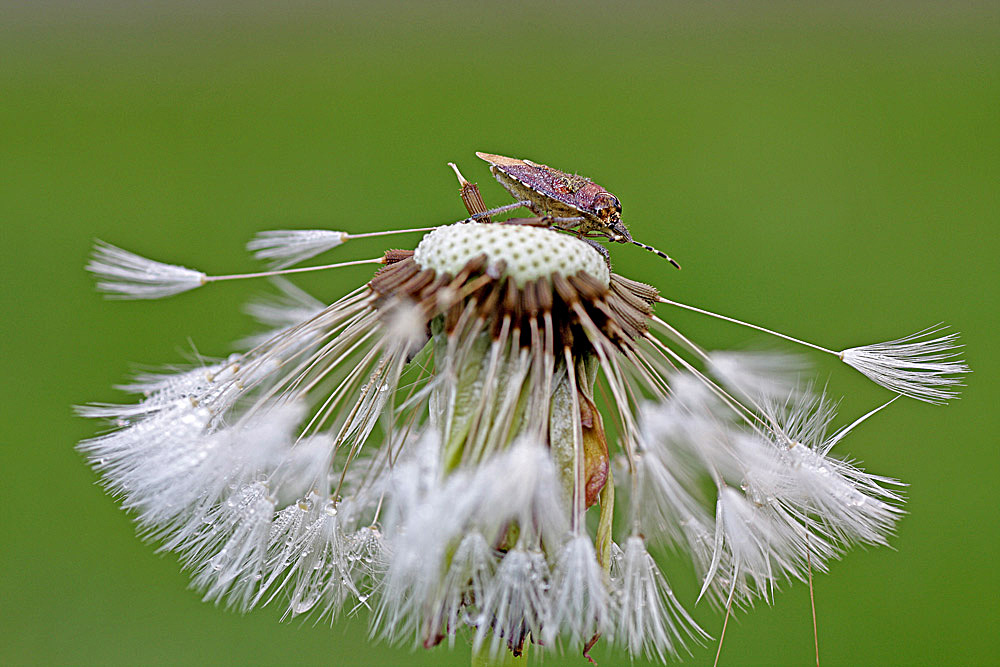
[{"x": 479, "y": 446}]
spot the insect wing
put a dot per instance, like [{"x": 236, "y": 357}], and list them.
[{"x": 572, "y": 190}]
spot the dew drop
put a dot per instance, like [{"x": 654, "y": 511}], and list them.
[{"x": 303, "y": 606}]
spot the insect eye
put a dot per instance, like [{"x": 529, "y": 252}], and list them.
[{"x": 609, "y": 201}]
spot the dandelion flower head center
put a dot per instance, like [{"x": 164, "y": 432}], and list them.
[{"x": 528, "y": 253}]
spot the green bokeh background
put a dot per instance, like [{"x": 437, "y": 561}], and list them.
[{"x": 830, "y": 170}]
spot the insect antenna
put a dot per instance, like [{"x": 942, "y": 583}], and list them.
[{"x": 655, "y": 252}]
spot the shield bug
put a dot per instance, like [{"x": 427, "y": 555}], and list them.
[{"x": 574, "y": 202}]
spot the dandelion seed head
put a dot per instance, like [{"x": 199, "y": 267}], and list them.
[{"x": 432, "y": 449}]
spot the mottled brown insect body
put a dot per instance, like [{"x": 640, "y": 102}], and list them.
[{"x": 561, "y": 195}]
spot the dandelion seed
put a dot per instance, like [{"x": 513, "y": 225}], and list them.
[
  {"x": 516, "y": 603},
  {"x": 917, "y": 366},
  {"x": 651, "y": 622},
  {"x": 580, "y": 599},
  {"x": 432, "y": 448},
  {"x": 291, "y": 306},
  {"x": 285, "y": 247},
  {"x": 927, "y": 370},
  {"x": 757, "y": 375},
  {"x": 125, "y": 275}
]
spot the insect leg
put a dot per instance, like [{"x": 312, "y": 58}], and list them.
[
  {"x": 500, "y": 209},
  {"x": 542, "y": 221},
  {"x": 473, "y": 200},
  {"x": 537, "y": 221},
  {"x": 568, "y": 224},
  {"x": 469, "y": 192},
  {"x": 605, "y": 253},
  {"x": 574, "y": 221}
]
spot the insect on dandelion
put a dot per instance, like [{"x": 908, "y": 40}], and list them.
[{"x": 443, "y": 446}]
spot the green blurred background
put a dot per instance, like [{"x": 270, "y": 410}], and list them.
[{"x": 829, "y": 169}]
